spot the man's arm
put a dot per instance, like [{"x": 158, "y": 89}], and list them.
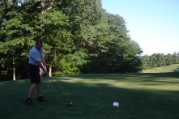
[
  {"x": 43, "y": 61},
  {"x": 42, "y": 66}
]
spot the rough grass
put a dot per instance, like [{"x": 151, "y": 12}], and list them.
[{"x": 141, "y": 96}]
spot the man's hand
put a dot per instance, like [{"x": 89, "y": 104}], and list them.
[{"x": 45, "y": 74}]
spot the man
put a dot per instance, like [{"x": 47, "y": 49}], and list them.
[{"x": 36, "y": 61}]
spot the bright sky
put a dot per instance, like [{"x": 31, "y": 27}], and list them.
[{"x": 153, "y": 24}]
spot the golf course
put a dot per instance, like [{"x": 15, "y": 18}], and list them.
[{"x": 151, "y": 94}]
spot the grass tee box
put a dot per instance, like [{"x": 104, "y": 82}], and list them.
[{"x": 140, "y": 96}]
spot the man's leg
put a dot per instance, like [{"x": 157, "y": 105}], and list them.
[
  {"x": 38, "y": 88},
  {"x": 30, "y": 91},
  {"x": 40, "y": 97}
]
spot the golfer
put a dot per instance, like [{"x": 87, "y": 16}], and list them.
[{"x": 36, "y": 61}]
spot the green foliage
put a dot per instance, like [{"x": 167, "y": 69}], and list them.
[
  {"x": 79, "y": 36},
  {"x": 159, "y": 59},
  {"x": 113, "y": 50},
  {"x": 71, "y": 63}
]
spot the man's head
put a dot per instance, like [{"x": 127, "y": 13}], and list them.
[{"x": 39, "y": 43}]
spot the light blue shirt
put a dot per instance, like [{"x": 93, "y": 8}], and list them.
[{"x": 35, "y": 55}]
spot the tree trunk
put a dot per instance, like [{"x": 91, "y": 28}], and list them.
[
  {"x": 50, "y": 71},
  {"x": 14, "y": 73}
]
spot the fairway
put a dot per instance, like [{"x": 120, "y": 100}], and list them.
[{"x": 140, "y": 96}]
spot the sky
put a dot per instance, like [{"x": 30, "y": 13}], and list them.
[{"x": 153, "y": 24}]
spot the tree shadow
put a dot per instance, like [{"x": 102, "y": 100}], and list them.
[
  {"x": 90, "y": 101},
  {"x": 95, "y": 101},
  {"x": 132, "y": 76}
]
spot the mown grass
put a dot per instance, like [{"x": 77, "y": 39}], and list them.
[
  {"x": 163, "y": 69},
  {"x": 141, "y": 96}
]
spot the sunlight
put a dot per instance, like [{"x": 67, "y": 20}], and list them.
[{"x": 165, "y": 84}]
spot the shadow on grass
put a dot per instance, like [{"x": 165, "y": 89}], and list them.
[
  {"x": 143, "y": 78},
  {"x": 95, "y": 101},
  {"x": 89, "y": 101},
  {"x": 177, "y": 69},
  {"x": 148, "y": 77}
]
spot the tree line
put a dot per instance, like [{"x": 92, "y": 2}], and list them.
[
  {"x": 79, "y": 37},
  {"x": 159, "y": 59}
]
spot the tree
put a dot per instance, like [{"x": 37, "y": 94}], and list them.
[
  {"x": 79, "y": 36},
  {"x": 159, "y": 59}
]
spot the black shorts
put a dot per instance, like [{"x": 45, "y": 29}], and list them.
[{"x": 34, "y": 74}]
